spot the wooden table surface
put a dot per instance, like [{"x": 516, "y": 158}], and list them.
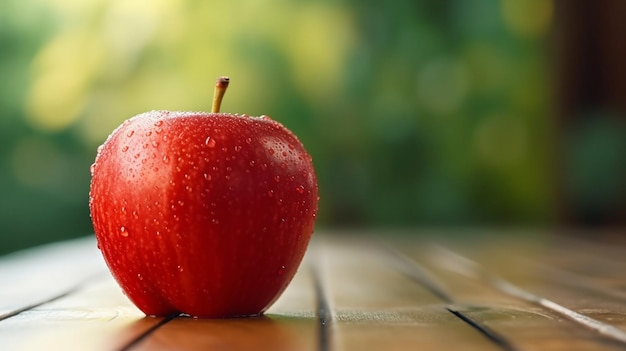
[{"x": 354, "y": 291}]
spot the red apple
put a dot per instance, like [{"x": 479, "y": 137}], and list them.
[{"x": 207, "y": 214}]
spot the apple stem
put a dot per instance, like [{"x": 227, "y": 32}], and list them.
[{"x": 218, "y": 94}]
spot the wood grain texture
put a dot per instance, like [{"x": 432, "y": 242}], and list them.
[
  {"x": 505, "y": 278},
  {"x": 376, "y": 307},
  {"x": 36, "y": 276},
  {"x": 352, "y": 292}
]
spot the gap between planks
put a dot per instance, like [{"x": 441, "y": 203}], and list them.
[
  {"x": 420, "y": 275},
  {"x": 417, "y": 273},
  {"x": 323, "y": 315},
  {"x": 462, "y": 265}
]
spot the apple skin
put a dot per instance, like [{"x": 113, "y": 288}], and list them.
[{"x": 207, "y": 214}]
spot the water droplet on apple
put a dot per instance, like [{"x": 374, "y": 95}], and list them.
[
  {"x": 123, "y": 231},
  {"x": 130, "y": 133},
  {"x": 270, "y": 193},
  {"x": 136, "y": 155},
  {"x": 139, "y": 276},
  {"x": 277, "y": 178},
  {"x": 271, "y": 151},
  {"x": 180, "y": 268},
  {"x": 215, "y": 221},
  {"x": 249, "y": 140},
  {"x": 207, "y": 176},
  {"x": 92, "y": 168},
  {"x": 210, "y": 142},
  {"x": 125, "y": 148},
  {"x": 281, "y": 270},
  {"x": 300, "y": 189},
  {"x": 284, "y": 153},
  {"x": 252, "y": 163},
  {"x": 155, "y": 144},
  {"x": 158, "y": 123},
  {"x": 237, "y": 148},
  {"x": 166, "y": 159},
  {"x": 164, "y": 138}
]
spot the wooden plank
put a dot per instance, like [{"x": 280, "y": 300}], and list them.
[
  {"x": 519, "y": 298},
  {"x": 100, "y": 318},
  {"x": 560, "y": 275},
  {"x": 350, "y": 293},
  {"x": 375, "y": 307},
  {"x": 96, "y": 316},
  {"x": 261, "y": 333},
  {"x": 53, "y": 294},
  {"x": 38, "y": 275}
]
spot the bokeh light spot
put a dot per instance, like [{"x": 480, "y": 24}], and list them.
[
  {"x": 319, "y": 45},
  {"x": 62, "y": 72},
  {"x": 528, "y": 18}
]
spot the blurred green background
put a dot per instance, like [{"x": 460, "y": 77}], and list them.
[{"x": 417, "y": 113}]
